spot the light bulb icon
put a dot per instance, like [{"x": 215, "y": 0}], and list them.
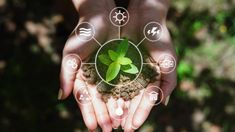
[{"x": 119, "y": 111}]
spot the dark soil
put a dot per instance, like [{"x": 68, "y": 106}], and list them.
[
  {"x": 132, "y": 53},
  {"x": 128, "y": 91}
]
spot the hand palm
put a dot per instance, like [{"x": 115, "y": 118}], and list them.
[{"x": 95, "y": 14}]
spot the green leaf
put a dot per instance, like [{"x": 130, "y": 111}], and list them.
[
  {"x": 112, "y": 71},
  {"x": 123, "y": 47},
  {"x": 113, "y": 55},
  {"x": 124, "y": 61},
  {"x": 132, "y": 69},
  {"x": 103, "y": 58}
]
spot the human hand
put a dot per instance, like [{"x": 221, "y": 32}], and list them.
[
  {"x": 141, "y": 13},
  {"x": 79, "y": 50}
]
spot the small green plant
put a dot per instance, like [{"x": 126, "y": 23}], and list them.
[{"x": 116, "y": 61}]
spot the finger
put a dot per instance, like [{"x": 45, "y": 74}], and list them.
[
  {"x": 144, "y": 107},
  {"x": 123, "y": 122},
  {"x": 101, "y": 111},
  {"x": 168, "y": 83},
  {"x": 164, "y": 47},
  {"x": 69, "y": 68},
  {"x": 87, "y": 109},
  {"x": 121, "y": 111},
  {"x": 132, "y": 108},
  {"x": 72, "y": 50},
  {"x": 168, "y": 75},
  {"x": 111, "y": 105},
  {"x": 124, "y": 119}
]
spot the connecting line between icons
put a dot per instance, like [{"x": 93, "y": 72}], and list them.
[
  {"x": 99, "y": 83},
  {"x": 89, "y": 63},
  {"x": 119, "y": 32},
  {"x": 140, "y": 41},
  {"x": 141, "y": 84},
  {"x": 97, "y": 41}
]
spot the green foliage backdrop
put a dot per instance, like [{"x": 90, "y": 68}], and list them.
[{"x": 32, "y": 36}]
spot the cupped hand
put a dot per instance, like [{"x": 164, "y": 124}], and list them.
[
  {"x": 95, "y": 13},
  {"x": 141, "y": 13}
]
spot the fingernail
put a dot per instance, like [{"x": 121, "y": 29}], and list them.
[
  {"x": 60, "y": 94},
  {"x": 167, "y": 100},
  {"x": 115, "y": 126},
  {"x": 135, "y": 128}
]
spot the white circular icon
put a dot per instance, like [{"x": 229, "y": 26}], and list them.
[
  {"x": 82, "y": 96},
  {"x": 71, "y": 63},
  {"x": 120, "y": 110},
  {"x": 167, "y": 63},
  {"x": 154, "y": 94},
  {"x": 153, "y": 31},
  {"x": 85, "y": 31},
  {"x": 119, "y": 16}
]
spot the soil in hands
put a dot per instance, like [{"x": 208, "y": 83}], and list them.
[{"x": 149, "y": 73}]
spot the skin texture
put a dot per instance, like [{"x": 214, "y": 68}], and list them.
[
  {"x": 141, "y": 12},
  {"x": 95, "y": 113}
]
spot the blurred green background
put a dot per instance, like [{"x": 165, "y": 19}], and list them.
[{"x": 32, "y": 36}]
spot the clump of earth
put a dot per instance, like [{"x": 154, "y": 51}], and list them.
[{"x": 125, "y": 88}]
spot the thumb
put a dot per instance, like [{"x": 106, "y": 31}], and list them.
[{"x": 73, "y": 55}]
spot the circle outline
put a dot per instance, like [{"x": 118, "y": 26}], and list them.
[
  {"x": 125, "y": 114},
  {"x": 110, "y": 16},
  {"x": 93, "y": 31},
  {"x": 63, "y": 63},
  {"x": 171, "y": 56},
  {"x": 146, "y": 27},
  {"x": 77, "y": 100},
  {"x": 96, "y": 56},
  {"x": 155, "y": 104}
]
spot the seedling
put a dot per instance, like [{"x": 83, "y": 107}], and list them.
[{"x": 116, "y": 61}]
